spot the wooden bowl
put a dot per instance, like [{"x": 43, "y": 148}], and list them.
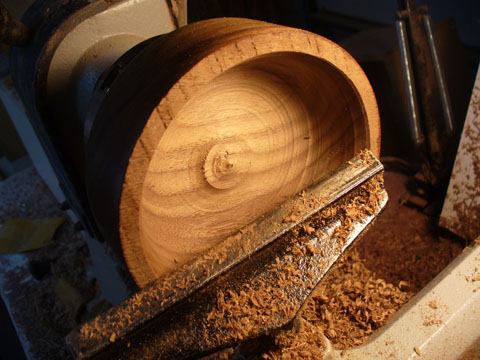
[{"x": 252, "y": 114}]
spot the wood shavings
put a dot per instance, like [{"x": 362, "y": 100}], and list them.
[
  {"x": 246, "y": 245},
  {"x": 432, "y": 322},
  {"x": 240, "y": 312},
  {"x": 417, "y": 351},
  {"x": 356, "y": 297},
  {"x": 380, "y": 273},
  {"x": 351, "y": 303},
  {"x": 308, "y": 229},
  {"x": 371, "y": 282},
  {"x": 222, "y": 256},
  {"x": 290, "y": 218},
  {"x": 304, "y": 341}
]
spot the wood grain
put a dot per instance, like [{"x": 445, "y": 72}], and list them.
[{"x": 263, "y": 112}]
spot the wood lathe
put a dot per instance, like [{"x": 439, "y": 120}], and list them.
[{"x": 230, "y": 162}]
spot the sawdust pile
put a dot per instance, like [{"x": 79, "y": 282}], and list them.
[
  {"x": 404, "y": 245},
  {"x": 353, "y": 302},
  {"x": 349, "y": 305},
  {"x": 304, "y": 340},
  {"x": 396, "y": 258},
  {"x": 248, "y": 310},
  {"x": 382, "y": 272}
]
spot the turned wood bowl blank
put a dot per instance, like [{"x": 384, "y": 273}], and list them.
[{"x": 260, "y": 113}]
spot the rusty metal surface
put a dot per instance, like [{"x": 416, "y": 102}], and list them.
[{"x": 272, "y": 265}]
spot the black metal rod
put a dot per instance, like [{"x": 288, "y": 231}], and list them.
[
  {"x": 413, "y": 110},
  {"x": 442, "y": 83}
]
